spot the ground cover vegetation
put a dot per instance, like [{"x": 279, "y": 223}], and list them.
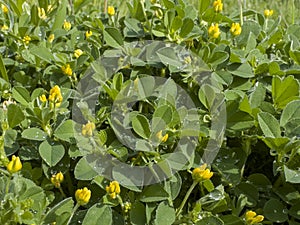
[{"x": 209, "y": 91}]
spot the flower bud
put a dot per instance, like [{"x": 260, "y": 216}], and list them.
[
  {"x": 82, "y": 196},
  {"x": 14, "y": 165},
  {"x": 57, "y": 179},
  {"x": 113, "y": 189}
]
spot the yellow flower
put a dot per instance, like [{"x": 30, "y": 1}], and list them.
[
  {"x": 67, "y": 70},
  {"x": 78, "y": 53},
  {"x": 42, "y": 13},
  {"x": 87, "y": 129},
  {"x": 51, "y": 38},
  {"x": 82, "y": 196},
  {"x": 50, "y": 8},
  {"x": 88, "y": 34},
  {"x": 252, "y": 218},
  {"x": 268, "y": 13},
  {"x": 56, "y": 179},
  {"x": 43, "y": 98},
  {"x": 111, "y": 10},
  {"x": 113, "y": 189},
  {"x": 218, "y": 6},
  {"x": 4, "y": 8},
  {"x": 26, "y": 39},
  {"x": 236, "y": 29},
  {"x": 55, "y": 96},
  {"x": 14, "y": 165},
  {"x": 162, "y": 138},
  {"x": 67, "y": 25},
  {"x": 214, "y": 31},
  {"x": 201, "y": 173},
  {"x": 4, "y": 27}
]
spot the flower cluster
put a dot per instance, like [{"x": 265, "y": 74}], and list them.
[
  {"x": 42, "y": 13},
  {"x": 14, "y": 165},
  {"x": 110, "y": 10},
  {"x": 57, "y": 179},
  {"x": 83, "y": 196},
  {"x": 51, "y": 38},
  {"x": 214, "y": 31},
  {"x": 78, "y": 53},
  {"x": 202, "y": 173},
  {"x": 252, "y": 218},
  {"x": 161, "y": 137},
  {"x": 236, "y": 29},
  {"x": 87, "y": 129},
  {"x": 67, "y": 70},
  {"x": 26, "y": 39},
  {"x": 55, "y": 96},
  {"x": 268, "y": 12},
  {"x": 88, "y": 34},
  {"x": 67, "y": 25},
  {"x": 218, "y": 6},
  {"x": 113, "y": 189},
  {"x": 4, "y": 8}
]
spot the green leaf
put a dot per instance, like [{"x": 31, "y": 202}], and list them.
[
  {"x": 162, "y": 116},
  {"x": 269, "y": 125},
  {"x": 295, "y": 55},
  {"x": 98, "y": 214},
  {"x": 138, "y": 214},
  {"x": 43, "y": 53},
  {"x": 60, "y": 15},
  {"x": 165, "y": 215},
  {"x": 145, "y": 86},
  {"x": 187, "y": 27},
  {"x": 291, "y": 111},
  {"x": 275, "y": 211},
  {"x": 210, "y": 220},
  {"x": 248, "y": 190},
  {"x": 218, "y": 57},
  {"x": 292, "y": 176},
  {"x": 176, "y": 24},
  {"x": 284, "y": 91},
  {"x": 84, "y": 171},
  {"x": 203, "y": 6},
  {"x": 35, "y": 134},
  {"x": 140, "y": 125},
  {"x": 51, "y": 152},
  {"x": 232, "y": 220},
  {"x": 65, "y": 131},
  {"x": 15, "y": 115},
  {"x": 168, "y": 57},
  {"x": 113, "y": 37},
  {"x": 294, "y": 210},
  {"x": 3, "y": 69},
  {"x": 21, "y": 95},
  {"x": 63, "y": 207},
  {"x": 154, "y": 193},
  {"x": 132, "y": 182},
  {"x": 257, "y": 96},
  {"x": 241, "y": 70}
]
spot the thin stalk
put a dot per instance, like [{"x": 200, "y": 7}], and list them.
[
  {"x": 241, "y": 12},
  {"x": 293, "y": 11},
  {"x": 186, "y": 198},
  {"x": 73, "y": 212}
]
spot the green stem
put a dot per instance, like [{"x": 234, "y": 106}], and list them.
[
  {"x": 73, "y": 212},
  {"x": 293, "y": 11},
  {"x": 186, "y": 198},
  {"x": 62, "y": 192},
  {"x": 241, "y": 12},
  {"x": 7, "y": 184}
]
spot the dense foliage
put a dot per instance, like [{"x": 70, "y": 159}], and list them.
[{"x": 208, "y": 102}]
